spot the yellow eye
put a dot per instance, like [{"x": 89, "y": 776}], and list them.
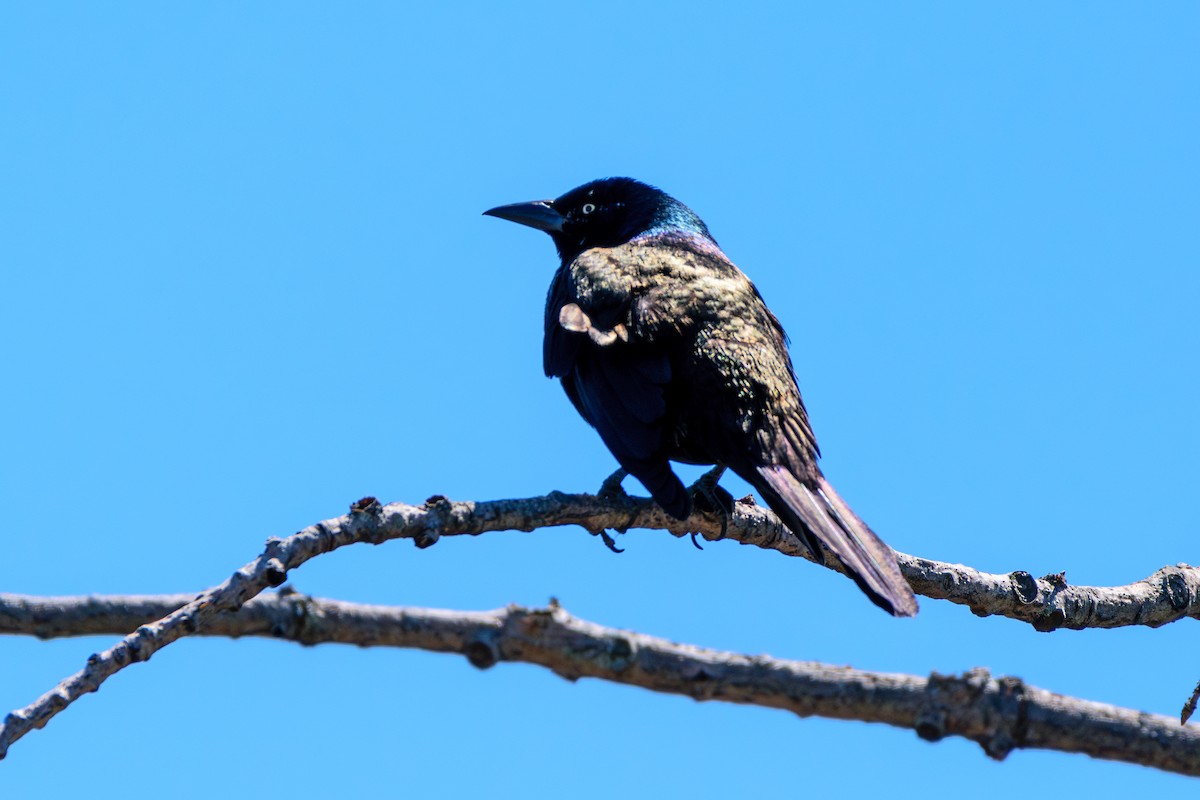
[{"x": 588, "y": 208}]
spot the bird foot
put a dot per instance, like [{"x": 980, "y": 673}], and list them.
[
  {"x": 611, "y": 489},
  {"x": 609, "y": 542},
  {"x": 708, "y": 497}
]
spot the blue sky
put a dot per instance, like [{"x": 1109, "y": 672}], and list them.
[{"x": 245, "y": 281}]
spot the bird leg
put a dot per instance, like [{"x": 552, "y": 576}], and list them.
[
  {"x": 612, "y": 490},
  {"x": 711, "y": 498}
]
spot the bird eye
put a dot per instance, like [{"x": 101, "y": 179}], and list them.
[{"x": 588, "y": 208}]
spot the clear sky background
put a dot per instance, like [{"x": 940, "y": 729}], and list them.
[{"x": 244, "y": 280}]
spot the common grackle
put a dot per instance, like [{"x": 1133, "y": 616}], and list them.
[{"x": 669, "y": 351}]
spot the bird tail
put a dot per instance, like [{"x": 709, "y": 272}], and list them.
[{"x": 818, "y": 514}]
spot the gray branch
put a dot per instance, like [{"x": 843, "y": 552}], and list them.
[
  {"x": 1170, "y": 594},
  {"x": 1000, "y": 714}
]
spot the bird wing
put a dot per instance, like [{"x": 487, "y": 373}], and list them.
[
  {"x": 616, "y": 381},
  {"x": 559, "y": 349}
]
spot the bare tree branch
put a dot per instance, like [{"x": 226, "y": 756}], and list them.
[
  {"x": 1189, "y": 707},
  {"x": 1170, "y": 594},
  {"x": 1000, "y": 714}
]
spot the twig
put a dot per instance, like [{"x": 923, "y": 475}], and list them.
[
  {"x": 1189, "y": 707},
  {"x": 1000, "y": 714}
]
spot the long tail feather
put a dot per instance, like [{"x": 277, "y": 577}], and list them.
[{"x": 820, "y": 513}]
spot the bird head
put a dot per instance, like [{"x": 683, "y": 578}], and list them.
[{"x": 604, "y": 213}]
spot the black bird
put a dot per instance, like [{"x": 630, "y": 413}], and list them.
[{"x": 669, "y": 351}]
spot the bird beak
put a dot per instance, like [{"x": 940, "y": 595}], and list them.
[{"x": 539, "y": 214}]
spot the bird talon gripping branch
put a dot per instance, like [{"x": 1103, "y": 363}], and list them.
[
  {"x": 612, "y": 489},
  {"x": 667, "y": 349},
  {"x": 609, "y": 542},
  {"x": 708, "y": 496}
]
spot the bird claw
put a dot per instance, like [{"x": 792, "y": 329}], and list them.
[
  {"x": 609, "y": 542},
  {"x": 611, "y": 489},
  {"x": 710, "y": 498}
]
